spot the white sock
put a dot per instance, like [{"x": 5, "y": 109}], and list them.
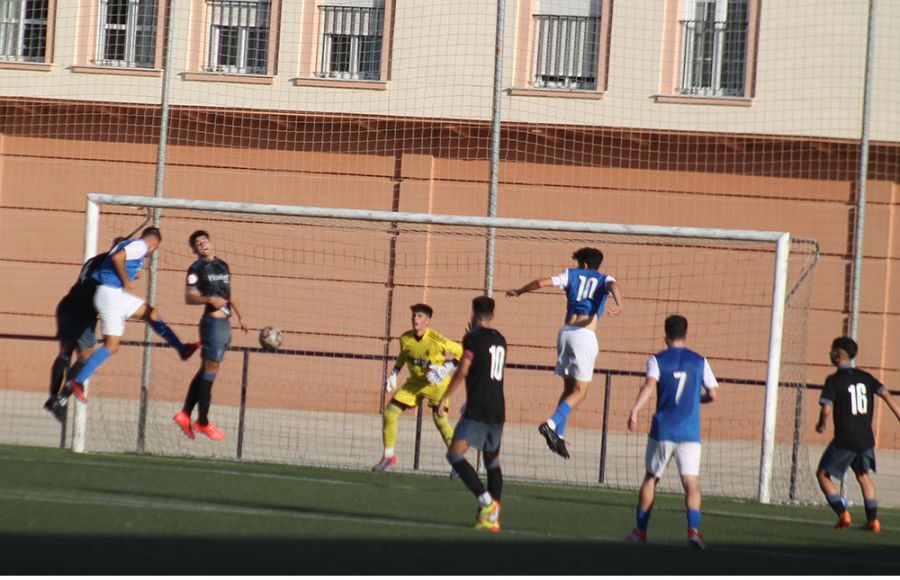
[
  {"x": 551, "y": 423},
  {"x": 389, "y": 452},
  {"x": 485, "y": 499}
]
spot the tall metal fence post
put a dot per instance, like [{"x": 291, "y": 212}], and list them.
[
  {"x": 418, "y": 451},
  {"x": 860, "y": 231},
  {"x": 245, "y": 371},
  {"x": 495, "y": 146},
  {"x": 604, "y": 434},
  {"x": 146, "y": 370}
]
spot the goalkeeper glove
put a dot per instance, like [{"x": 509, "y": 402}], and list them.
[
  {"x": 439, "y": 372},
  {"x": 390, "y": 385}
]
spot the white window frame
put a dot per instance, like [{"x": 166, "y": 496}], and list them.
[
  {"x": 13, "y": 25},
  {"x": 357, "y": 21},
  {"x": 245, "y": 16},
  {"x": 690, "y": 85},
  {"x": 132, "y": 29}
]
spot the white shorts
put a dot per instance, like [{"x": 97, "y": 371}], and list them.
[
  {"x": 659, "y": 453},
  {"x": 114, "y": 306},
  {"x": 577, "y": 350}
]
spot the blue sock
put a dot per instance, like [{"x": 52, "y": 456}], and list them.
[
  {"x": 163, "y": 330},
  {"x": 98, "y": 358},
  {"x": 560, "y": 417},
  {"x": 693, "y": 517},
  {"x": 643, "y": 520}
]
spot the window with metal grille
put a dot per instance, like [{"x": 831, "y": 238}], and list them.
[
  {"x": 714, "y": 54},
  {"x": 23, "y": 30},
  {"x": 127, "y": 35},
  {"x": 238, "y": 36},
  {"x": 565, "y": 51},
  {"x": 351, "y": 42}
]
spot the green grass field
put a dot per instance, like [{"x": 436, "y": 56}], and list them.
[{"x": 62, "y": 513}]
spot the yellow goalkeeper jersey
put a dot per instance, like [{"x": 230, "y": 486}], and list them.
[{"x": 418, "y": 354}]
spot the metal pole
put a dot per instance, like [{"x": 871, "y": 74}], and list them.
[
  {"x": 244, "y": 373},
  {"x": 391, "y": 273},
  {"x": 859, "y": 236},
  {"x": 418, "y": 436},
  {"x": 158, "y": 192},
  {"x": 773, "y": 370},
  {"x": 607, "y": 393},
  {"x": 795, "y": 448},
  {"x": 860, "y": 233},
  {"x": 91, "y": 229},
  {"x": 495, "y": 146}
]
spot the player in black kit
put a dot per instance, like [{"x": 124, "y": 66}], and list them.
[
  {"x": 849, "y": 395},
  {"x": 209, "y": 284},
  {"x": 76, "y": 321},
  {"x": 481, "y": 424}
]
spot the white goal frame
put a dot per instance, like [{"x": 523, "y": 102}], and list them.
[{"x": 780, "y": 240}]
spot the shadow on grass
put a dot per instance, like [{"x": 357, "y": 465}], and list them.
[{"x": 48, "y": 554}]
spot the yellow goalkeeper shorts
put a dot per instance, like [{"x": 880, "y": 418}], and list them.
[{"x": 414, "y": 391}]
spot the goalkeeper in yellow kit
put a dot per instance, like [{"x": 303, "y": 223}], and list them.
[{"x": 431, "y": 359}]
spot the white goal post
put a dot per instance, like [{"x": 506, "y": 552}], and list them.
[{"x": 779, "y": 241}]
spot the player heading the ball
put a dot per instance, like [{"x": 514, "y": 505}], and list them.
[
  {"x": 208, "y": 284},
  {"x": 430, "y": 358},
  {"x": 481, "y": 424},
  {"x": 576, "y": 344},
  {"x": 115, "y": 304},
  {"x": 682, "y": 380},
  {"x": 849, "y": 396},
  {"x": 76, "y": 321}
]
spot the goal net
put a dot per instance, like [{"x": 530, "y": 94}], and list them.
[{"x": 340, "y": 288}]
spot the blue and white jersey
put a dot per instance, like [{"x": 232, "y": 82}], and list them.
[
  {"x": 680, "y": 373},
  {"x": 135, "y": 251},
  {"x": 586, "y": 290}
]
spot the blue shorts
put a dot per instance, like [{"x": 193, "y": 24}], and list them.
[
  {"x": 215, "y": 337},
  {"x": 483, "y": 436},
  {"x": 835, "y": 461},
  {"x": 76, "y": 325}
]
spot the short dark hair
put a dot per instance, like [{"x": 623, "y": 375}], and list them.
[
  {"x": 483, "y": 307},
  {"x": 198, "y": 234},
  {"x": 846, "y": 344},
  {"x": 590, "y": 257},
  {"x": 152, "y": 231},
  {"x": 676, "y": 327},
  {"x": 423, "y": 308}
]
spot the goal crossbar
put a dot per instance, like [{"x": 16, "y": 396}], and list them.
[{"x": 781, "y": 241}]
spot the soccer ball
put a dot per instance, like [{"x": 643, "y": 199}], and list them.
[{"x": 270, "y": 338}]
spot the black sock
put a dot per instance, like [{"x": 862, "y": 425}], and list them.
[
  {"x": 190, "y": 401},
  {"x": 837, "y": 504},
  {"x": 57, "y": 372},
  {"x": 871, "y": 509},
  {"x": 495, "y": 482},
  {"x": 470, "y": 478},
  {"x": 75, "y": 369},
  {"x": 204, "y": 397}
]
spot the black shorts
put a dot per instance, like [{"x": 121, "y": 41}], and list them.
[
  {"x": 483, "y": 436},
  {"x": 76, "y": 324},
  {"x": 835, "y": 461}
]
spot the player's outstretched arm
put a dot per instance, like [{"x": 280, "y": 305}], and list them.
[
  {"x": 891, "y": 403},
  {"x": 531, "y": 287},
  {"x": 458, "y": 378},
  {"x": 616, "y": 292},
  {"x": 240, "y": 317},
  {"x": 824, "y": 414},
  {"x": 641, "y": 400}
]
